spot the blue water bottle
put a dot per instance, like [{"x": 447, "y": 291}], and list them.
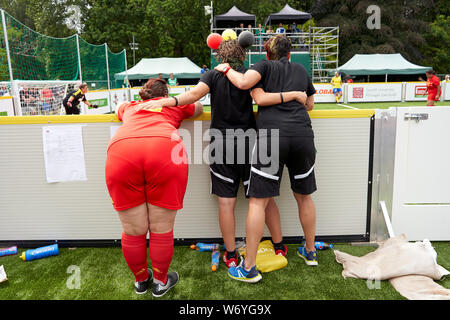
[
  {"x": 215, "y": 258},
  {"x": 39, "y": 253},
  {"x": 8, "y": 251},
  {"x": 322, "y": 245},
  {"x": 205, "y": 246}
]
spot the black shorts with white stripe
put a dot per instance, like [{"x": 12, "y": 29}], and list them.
[
  {"x": 226, "y": 178},
  {"x": 269, "y": 157},
  {"x": 229, "y": 165}
]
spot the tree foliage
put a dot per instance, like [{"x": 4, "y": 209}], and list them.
[{"x": 418, "y": 29}]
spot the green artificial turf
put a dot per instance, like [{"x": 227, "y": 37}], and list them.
[{"x": 104, "y": 275}]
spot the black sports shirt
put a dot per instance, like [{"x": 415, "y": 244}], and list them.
[
  {"x": 78, "y": 96},
  {"x": 291, "y": 118},
  {"x": 231, "y": 108}
]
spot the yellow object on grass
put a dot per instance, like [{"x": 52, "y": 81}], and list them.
[{"x": 266, "y": 259}]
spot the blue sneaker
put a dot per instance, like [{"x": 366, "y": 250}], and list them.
[
  {"x": 309, "y": 257},
  {"x": 239, "y": 273}
]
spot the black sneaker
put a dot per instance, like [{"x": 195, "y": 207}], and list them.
[
  {"x": 142, "y": 286},
  {"x": 159, "y": 290}
]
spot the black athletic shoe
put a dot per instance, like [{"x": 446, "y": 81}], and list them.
[
  {"x": 142, "y": 286},
  {"x": 159, "y": 290}
]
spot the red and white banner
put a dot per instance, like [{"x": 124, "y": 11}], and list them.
[
  {"x": 416, "y": 91},
  {"x": 324, "y": 93}
]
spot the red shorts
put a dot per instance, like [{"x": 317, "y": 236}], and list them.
[
  {"x": 148, "y": 169},
  {"x": 432, "y": 96}
]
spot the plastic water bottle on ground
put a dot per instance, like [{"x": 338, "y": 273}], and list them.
[
  {"x": 205, "y": 246},
  {"x": 215, "y": 258},
  {"x": 322, "y": 245},
  {"x": 39, "y": 253},
  {"x": 8, "y": 251}
]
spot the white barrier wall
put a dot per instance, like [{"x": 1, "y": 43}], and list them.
[
  {"x": 32, "y": 209},
  {"x": 411, "y": 176},
  {"x": 6, "y": 106}
]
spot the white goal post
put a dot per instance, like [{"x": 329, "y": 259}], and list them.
[{"x": 41, "y": 97}]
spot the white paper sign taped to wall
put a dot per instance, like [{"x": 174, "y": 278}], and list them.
[{"x": 64, "y": 153}]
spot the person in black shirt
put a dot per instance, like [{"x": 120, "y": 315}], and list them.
[
  {"x": 73, "y": 99},
  {"x": 288, "y": 126},
  {"x": 232, "y": 126}
]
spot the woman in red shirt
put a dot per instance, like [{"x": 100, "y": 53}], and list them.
[
  {"x": 146, "y": 175},
  {"x": 433, "y": 87}
]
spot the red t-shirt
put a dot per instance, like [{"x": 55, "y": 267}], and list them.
[
  {"x": 432, "y": 84},
  {"x": 162, "y": 122}
]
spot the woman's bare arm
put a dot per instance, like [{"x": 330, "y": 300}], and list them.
[
  {"x": 263, "y": 98},
  {"x": 198, "y": 92},
  {"x": 243, "y": 81}
]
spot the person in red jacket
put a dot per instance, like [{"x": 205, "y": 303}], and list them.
[
  {"x": 146, "y": 174},
  {"x": 433, "y": 87}
]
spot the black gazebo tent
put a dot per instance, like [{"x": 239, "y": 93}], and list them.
[
  {"x": 288, "y": 15},
  {"x": 233, "y": 18}
]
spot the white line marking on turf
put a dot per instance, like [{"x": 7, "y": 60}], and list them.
[{"x": 343, "y": 105}]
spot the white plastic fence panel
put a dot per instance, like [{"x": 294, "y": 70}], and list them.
[{"x": 421, "y": 196}]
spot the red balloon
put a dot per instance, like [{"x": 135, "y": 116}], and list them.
[{"x": 213, "y": 41}]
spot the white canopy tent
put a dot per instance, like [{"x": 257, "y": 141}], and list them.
[
  {"x": 182, "y": 68},
  {"x": 380, "y": 64}
]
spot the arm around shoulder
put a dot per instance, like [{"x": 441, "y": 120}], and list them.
[{"x": 198, "y": 109}]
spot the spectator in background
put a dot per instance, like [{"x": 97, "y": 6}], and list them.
[
  {"x": 172, "y": 81},
  {"x": 259, "y": 35},
  {"x": 160, "y": 77},
  {"x": 280, "y": 29},
  {"x": 447, "y": 78},
  {"x": 295, "y": 33},
  {"x": 47, "y": 99},
  {"x": 249, "y": 28},
  {"x": 269, "y": 30},
  {"x": 204, "y": 69},
  {"x": 240, "y": 29},
  {"x": 4, "y": 91},
  {"x": 349, "y": 79}
]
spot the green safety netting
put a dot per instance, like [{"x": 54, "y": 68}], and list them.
[{"x": 38, "y": 57}]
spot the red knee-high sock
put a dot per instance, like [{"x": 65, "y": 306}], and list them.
[
  {"x": 134, "y": 250},
  {"x": 161, "y": 252}
]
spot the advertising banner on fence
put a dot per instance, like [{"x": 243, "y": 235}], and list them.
[
  {"x": 374, "y": 92},
  {"x": 416, "y": 91},
  {"x": 101, "y": 98},
  {"x": 324, "y": 93},
  {"x": 6, "y": 106}
]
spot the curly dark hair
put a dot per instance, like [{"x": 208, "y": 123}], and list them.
[
  {"x": 154, "y": 88},
  {"x": 231, "y": 52},
  {"x": 278, "y": 47}
]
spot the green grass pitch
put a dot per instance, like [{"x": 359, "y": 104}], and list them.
[{"x": 104, "y": 275}]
